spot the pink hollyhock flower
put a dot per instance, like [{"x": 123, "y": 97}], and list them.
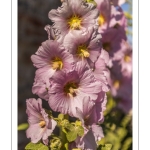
[
  {"x": 73, "y": 15},
  {"x": 51, "y": 57},
  {"x": 41, "y": 88},
  {"x": 121, "y": 88},
  {"x": 88, "y": 141},
  {"x": 124, "y": 59},
  {"x": 92, "y": 132},
  {"x": 110, "y": 16},
  {"x": 69, "y": 89},
  {"x": 98, "y": 109},
  {"x": 40, "y": 125},
  {"x": 112, "y": 40},
  {"x": 92, "y": 113},
  {"x": 84, "y": 45},
  {"x": 100, "y": 70}
]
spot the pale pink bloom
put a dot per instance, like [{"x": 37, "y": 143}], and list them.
[
  {"x": 112, "y": 42},
  {"x": 73, "y": 15},
  {"x": 40, "y": 125},
  {"x": 92, "y": 113},
  {"x": 84, "y": 45},
  {"x": 51, "y": 57},
  {"x": 110, "y": 16},
  {"x": 69, "y": 89}
]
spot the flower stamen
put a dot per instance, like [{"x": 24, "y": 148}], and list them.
[
  {"x": 82, "y": 51},
  {"x": 57, "y": 63},
  {"x": 101, "y": 20},
  {"x": 127, "y": 58},
  {"x": 116, "y": 84},
  {"x": 74, "y": 22},
  {"x": 70, "y": 88},
  {"x": 42, "y": 124}
]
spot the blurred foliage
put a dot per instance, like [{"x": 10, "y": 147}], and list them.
[
  {"x": 23, "y": 126},
  {"x": 117, "y": 127}
]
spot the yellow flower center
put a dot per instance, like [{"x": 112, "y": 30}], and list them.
[
  {"x": 70, "y": 88},
  {"x": 74, "y": 22},
  {"x": 107, "y": 46},
  {"x": 101, "y": 20},
  {"x": 57, "y": 63},
  {"x": 82, "y": 51},
  {"x": 117, "y": 84},
  {"x": 127, "y": 58},
  {"x": 42, "y": 124}
]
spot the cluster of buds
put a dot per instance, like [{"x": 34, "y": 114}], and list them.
[{"x": 73, "y": 76}]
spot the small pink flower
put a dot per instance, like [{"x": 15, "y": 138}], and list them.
[{"x": 40, "y": 125}]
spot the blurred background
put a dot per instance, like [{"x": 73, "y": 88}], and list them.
[{"x": 32, "y": 18}]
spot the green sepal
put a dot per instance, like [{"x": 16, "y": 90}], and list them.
[
  {"x": 71, "y": 136},
  {"x": 23, "y": 126},
  {"x": 74, "y": 130},
  {"x": 55, "y": 143},
  {"x": 36, "y": 146}
]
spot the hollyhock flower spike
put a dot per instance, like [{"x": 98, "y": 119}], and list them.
[
  {"x": 69, "y": 89},
  {"x": 51, "y": 57},
  {"x": 73, "y": 15},
  {"x": 40, "y": 125},
  {"x": 84, "y": 45}
]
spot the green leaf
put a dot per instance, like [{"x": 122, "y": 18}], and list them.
[
  {"x": 127, "y": 143},
  {"x": 37, "y": 146},
  {"x": 23, "y": 126},
  {"x": 80, "y": 130},
  {"x": 61, "y": 116},
  {"x": 71, "y": 136}
]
